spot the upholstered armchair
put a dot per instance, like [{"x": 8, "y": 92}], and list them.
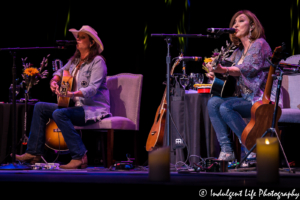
[
  {"x": 291, "y": 94},
  {"x": 125, "y": 99},
  {"x": 289, "y": 121}
]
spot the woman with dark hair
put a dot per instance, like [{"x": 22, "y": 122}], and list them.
[
  {"x": 89, "y": 95},
  {"x": 249, "y": 60}
]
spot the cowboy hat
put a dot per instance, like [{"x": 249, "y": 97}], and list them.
[{"x": 91, "y": 32}]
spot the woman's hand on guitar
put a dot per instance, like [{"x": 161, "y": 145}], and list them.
[
  {"x": 210, "y": 75},
  {"x": 209, "y": 65},
  {"x": 54, "y": 86},
  {"x": 218, "y": 69},
  {"x": 69, "y": 94}
]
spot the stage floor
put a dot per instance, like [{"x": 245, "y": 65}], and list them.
[{"x": 133, "y": 183}]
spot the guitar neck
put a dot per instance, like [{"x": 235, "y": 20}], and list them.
[
  {"x": 267, "y": 93},
  {"x": 275, "y": 59},
  {"x": 164, "y": 101}
]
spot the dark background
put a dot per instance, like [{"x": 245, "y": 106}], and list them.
[{"x": 121, "y": 27}]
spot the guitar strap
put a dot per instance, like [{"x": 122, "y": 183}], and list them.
[
  {"x": 72, "y": 102},
  {"x": 76, "y": 71}
]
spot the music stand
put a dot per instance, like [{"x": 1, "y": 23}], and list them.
[
  {"x": 13, "y": 165},
  {"x": 272, "y": 129}
]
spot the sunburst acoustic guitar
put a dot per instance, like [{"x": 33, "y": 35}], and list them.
[{"x": 54, "y": 138}]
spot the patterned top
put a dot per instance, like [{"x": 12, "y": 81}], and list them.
[{"x": 254, "y": 71}]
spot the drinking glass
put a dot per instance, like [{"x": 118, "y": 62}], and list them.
[
  {"x": 11, "y": 91},
  {"x": 198, "y": 78},
  {"x": 184, "y": 81}
]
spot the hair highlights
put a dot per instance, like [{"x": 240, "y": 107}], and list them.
[{"x": 257, "y": 32}]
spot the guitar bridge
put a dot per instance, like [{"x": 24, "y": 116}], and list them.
[
  {"x": 56, "y": 130},
  {"x": 153, "y": 132}
]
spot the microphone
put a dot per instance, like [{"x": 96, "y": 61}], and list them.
[
  {"x": 221, "y": 30},
  {"x": 192, "y": 58},
  {"x": 66, "y": 42}
]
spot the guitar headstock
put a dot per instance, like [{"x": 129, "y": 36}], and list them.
[
  {"x": 223, "y": 54},
  {"x": 279, "y": 54},
  {"x": 177, "y": 61},
  {"x": 276, "y": 56}
]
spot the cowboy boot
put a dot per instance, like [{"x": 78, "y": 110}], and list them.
[
  {"x": 76, "y": 163},
  {"x": 26, "y": 157}
]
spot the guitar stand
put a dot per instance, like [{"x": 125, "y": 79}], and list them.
[{"x": 272, "y": 129}]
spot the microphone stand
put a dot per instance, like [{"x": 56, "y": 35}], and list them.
[
  {"x": 168, "y": 61},
  {"x": 13, "y": 165},
  {"x": 185, "y": 35}
]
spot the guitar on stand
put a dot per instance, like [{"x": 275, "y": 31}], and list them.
[
  {"x": 261, "y": 111},
  {"x": 156, "y": 135},
  {"x": 265, "y": 113},
  {"x": 54, "y": 138}
]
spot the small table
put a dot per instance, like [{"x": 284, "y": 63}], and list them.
[{"x": 190, "y": 115}]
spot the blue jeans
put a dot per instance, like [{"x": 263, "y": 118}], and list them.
[
  {"x": 225, "y": 113},
  {"x": 65, "y": 118}
]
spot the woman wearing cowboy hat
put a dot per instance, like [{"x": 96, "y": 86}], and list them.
[{"x": 89, "y": 94}]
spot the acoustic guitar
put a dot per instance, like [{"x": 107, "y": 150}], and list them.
[
  {"x": 262, "y": 111},
  {"x": 156, "y": 135},
  {"x": 224, "y": 86},
  {"x": 54, "y": 138}
]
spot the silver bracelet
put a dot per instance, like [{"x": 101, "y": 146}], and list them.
[
  {"x": 226, "y": 73},
  {"x": 72, "y": 95}
]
